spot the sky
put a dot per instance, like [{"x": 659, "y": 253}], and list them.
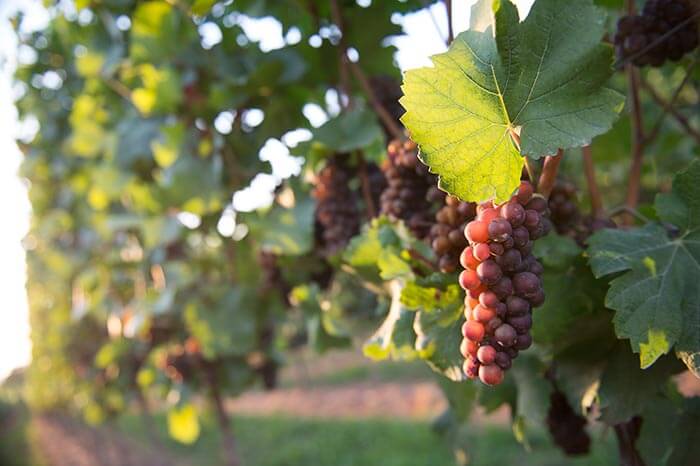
[{"x": 425, "y": 33}]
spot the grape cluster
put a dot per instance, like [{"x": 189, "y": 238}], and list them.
[
  {"x": 447, "y": 234},
  {"x": 568, "y": 429},
  {"x": 182, "y": 361},
  {"x": 503, "y": 284},
  {"x": 647, "y": 38},
  {"x": 337, "y": 211},
  {"x": 563, "y": 209},
  {"x": 407, "y": 196}
]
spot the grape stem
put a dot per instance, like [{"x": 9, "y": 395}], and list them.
[
  {"x": 549, "y": 173},
  {"x": 593, "y": 190},
  {"x": 669, "y": 108}
]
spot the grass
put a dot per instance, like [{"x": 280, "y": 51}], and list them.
[
  {"x": 283, "y": 441},
  {"x": 16, "y": 446}
]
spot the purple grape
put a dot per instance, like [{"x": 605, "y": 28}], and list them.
[
  {"x": 505, "y": 335},
  {"x": 489, "y": 272}
]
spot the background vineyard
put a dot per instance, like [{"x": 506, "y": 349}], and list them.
[{"x": 207, "y": 210}]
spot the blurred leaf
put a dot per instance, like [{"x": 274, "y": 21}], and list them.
[{"x": 183, "y": 424}]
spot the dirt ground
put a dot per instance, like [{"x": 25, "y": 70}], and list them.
[{"x": 66, "y": 442}]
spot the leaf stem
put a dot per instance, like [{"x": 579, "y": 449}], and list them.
[
  {"x": 549, "y": 173},
  {"x": 593, "y": 190}
]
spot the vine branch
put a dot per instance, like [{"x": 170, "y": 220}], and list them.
[
  {"x": 670, "y": 109},
  {"x": 593, "y": 189},
  {"x": 450, "y": 30},
  {"x": 659, "y": 122},
  {"x": 633, "y": 183},
  {"x": 359, "y": 75}
]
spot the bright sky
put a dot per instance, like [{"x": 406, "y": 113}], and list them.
[{"x": 422, "y": 40}]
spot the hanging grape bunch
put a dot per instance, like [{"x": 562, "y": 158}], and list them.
[
  {"x": 409, "y": 183},
  {"x": 337, "y": 212},
  {"x": 566, "y": 426},
  {"x": 663, "y": 31},
  {"x": 502, "y": 281},
  {"x": 447, "y": 234}
]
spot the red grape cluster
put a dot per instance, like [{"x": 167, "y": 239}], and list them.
[
  {"x": 647, "y": 38},
  {"x": 447, "y": 234},
  {"x": 407, "y": 198},
  {"x": 503, "y": 284},
  {"x": 337, "y": 211},
  {"x": 568, "y": 429}
]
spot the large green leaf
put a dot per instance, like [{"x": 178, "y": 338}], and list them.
[
  {"x": 657, "y": 297},
  {"x": 670, "y": 434},
  {"x": 626, "y": 390},
  {"x": 544, "y": 78}
]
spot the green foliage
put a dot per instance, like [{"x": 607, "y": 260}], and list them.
[
  {"x": 656, "y": 297},
  {"x": 545, "y": 78}
]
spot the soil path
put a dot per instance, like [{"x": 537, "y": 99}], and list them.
[
  {"x": 415, "y": 400},
  {"x": 66, "y": 442}
]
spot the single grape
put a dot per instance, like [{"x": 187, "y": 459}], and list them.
[
  {"x": 483, "y": 314},
  {"x": 491, "y": 375},
  {"x": 517, "y": 306},
  {"x": 477, "y": 231},
  {"x": 489, "y": 272},
  {"x": 489, "y": 299},
  {"x": 475, "y": 331},
  {"x": 486, "y": 354},
  {"x": 499, "y": 229},
  {"x": 481, "y": 251},
  {"x": 514, "y": 213},
  {"x": 505, "y": 335},
  {"x": 503, "y": 360},
  {"x": 523, "y": 342},
  {"x": 469, "y": 279}
]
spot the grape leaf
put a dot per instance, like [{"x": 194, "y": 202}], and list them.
[
  {"x": 657, "y": 298},
  {"x": 544, "y": 78},
  {"x": 285, "y": 231},
  {"x": 625, "y": 389},
  {"x": 670, "y": 435},
  {"x": 395, "y": 338}
]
